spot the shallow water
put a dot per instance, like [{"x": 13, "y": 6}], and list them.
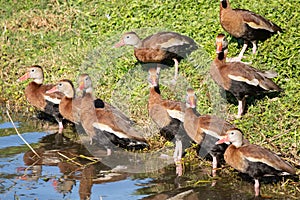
[{"x": 24, "y": 176}]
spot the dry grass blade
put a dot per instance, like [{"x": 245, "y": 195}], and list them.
[
  {"x": 21, "y": 135},
  {"x": 70, "y": 159},
  {"x": 93, "y": 159}
]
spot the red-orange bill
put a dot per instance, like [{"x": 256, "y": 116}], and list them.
[
  {"x": 223, "y": 140},
  {"x": 52, "y": 90},
  {"x": 24, "y": 77}
]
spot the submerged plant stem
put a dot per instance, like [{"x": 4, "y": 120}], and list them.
[{"x": 21, "y": 135}]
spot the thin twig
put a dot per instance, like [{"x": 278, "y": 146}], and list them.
[
  {"x": 21, "y": 135},
  {"x": 93, "y": 159},
  {"x": 70, "y": 159}
]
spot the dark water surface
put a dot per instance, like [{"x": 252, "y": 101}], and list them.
[{"x": 25, "y": 176}]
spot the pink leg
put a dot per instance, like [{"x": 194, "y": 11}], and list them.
[
  {"x": 241, "y": 107},
  {"x": 214, "y": 166},
  {"x": 108, "y": 152},
  {"x": 178, "y": 150},
  {"x": 243, "y": 50},
  {"x": 177, "y": 157},
  {"x": 256, "y": 187},
  {"x": 60, "y": 127},
  {"x": 179, "y": 169},
  {"x": 241, "y": 54},
  {"x": 176, "y": 68},
  {"x": 158, "y": 68},
  {"x": 254, "y": 43}
]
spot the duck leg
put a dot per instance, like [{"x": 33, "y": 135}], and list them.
[
  {"x": 241, "y": 54},
  {"x": 176, "y": 63},
  {"x": 59, "y": 119},
  {"x": 108, "y": 151},
  {"x": 177, "y": 156},
  {"x": 214, "y": 166},
  {"x": 256, "y": 187},
  {"x": 178, "y": 150},
  {"x": 60, "y": 127},
  {"x": 158, "y": 68},
  {"x": 241, "y": 107},
  {"x": 254, "y": 43}
]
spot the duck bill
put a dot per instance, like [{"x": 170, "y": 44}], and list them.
[
  {"x": 219, "y": 47},
  {"x": 119, "y": 44},
  {"x": 81, "y": 85},
  {"x": 24, "y": 77},
  {"x": 153, "y": 81},
  {"x": 223, "y": 140},
  {"x": 52, "y": 90}
]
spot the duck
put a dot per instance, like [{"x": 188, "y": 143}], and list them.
[
  {"x": 168, "y": 115},
  {"x": 69, "y": 106},
  {"x": 252, "y": 159},
  {"x": 107, "y": 125},
  {"x": 205, "y": 130},
  {"x": 36, "y": 95},
  {"x": 246, "y": 25},
  {"x": 85, "y": 86},
  {"x": 161, "y": 47},
  {"x": 238, "y": 78}
]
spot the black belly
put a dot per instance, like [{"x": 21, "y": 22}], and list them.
[
  {"x": 110, "y": 140},
  {"x": 175, "y": 131},
  {"x": 256, "y": 34},
  {"x": 259, "y": 169},
  {"x": 208, "y": 148},
  {"x": 53, "y": 110},
  {"x": 241, "y": 89}
]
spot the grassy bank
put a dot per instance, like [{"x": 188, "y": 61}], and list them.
[{"x": 71, "y": 37}]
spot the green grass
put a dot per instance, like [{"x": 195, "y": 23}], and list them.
[{"x": 71, "y": 37}]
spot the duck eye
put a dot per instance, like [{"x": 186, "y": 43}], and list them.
[
  {"x": 32, "y": 70},
  {"x": 127, "y": 36},
  {"x": 232, "y": 133},
  {"x": 60, "y": 84}
]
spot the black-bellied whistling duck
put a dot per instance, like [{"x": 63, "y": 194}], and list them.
[
  {"x": 69, "y": 106},
  {"x": 168, "y": 116},
  {"x": 238, "y": 78},
  {"x": 85, "y": 85},
  {"x": 36, "y": 94},
  {"x": 205, "y": 129},
  {"x": 251, "y": 159},
  {"x": 160, "y": 47},
  {"x": 110, "y": 126},
  {"x": 247, "y": 25}
]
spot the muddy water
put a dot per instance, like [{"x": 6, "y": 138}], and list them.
[{"x": 53, "y": 176}]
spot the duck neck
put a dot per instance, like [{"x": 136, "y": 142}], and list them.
[
  {"x": 154, "y": 95},
  {"x": 222, "y": 55},
  {"x": 156, "y": 89},
  {"x": 38, "y": 81},
  {"x": 70, "y": 94},
  {"x": 139, "y": 44},
  {"x": 238, "y": 144},
  {"x": 189, "y": 112}
]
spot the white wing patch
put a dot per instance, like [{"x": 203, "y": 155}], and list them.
[
  {"x": 176, "y": 114},
  {"x": 104, "y": 127},
  {"x": 172, "y": 42},
  {"x": 254, "y": 82},
  {"x": 263, "y": 87},
  {"x": 259, "y": 26},
  {"x": 251, "y": 159},
  {"x": 212, "y": 133},
  {"x": 53, "y": 100}
]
